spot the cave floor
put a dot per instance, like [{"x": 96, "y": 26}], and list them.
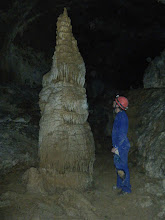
[{"x": 146, "y": 202}]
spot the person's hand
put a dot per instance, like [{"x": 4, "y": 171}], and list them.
[{"x": 113, "y": 150}]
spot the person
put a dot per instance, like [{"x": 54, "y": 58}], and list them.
[{"x": 121, "y": 145}]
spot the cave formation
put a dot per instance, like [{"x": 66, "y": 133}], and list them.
[
  {"x": 122, "y": 47},
  {"x": 66, "y": 145}
]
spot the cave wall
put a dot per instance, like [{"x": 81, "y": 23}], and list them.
[
  {"x": 19, "y": 118},
  {"x": 147, "y": 129},
  {"x": 24, "y": 66},
  {"x": 154, "y": 75}
]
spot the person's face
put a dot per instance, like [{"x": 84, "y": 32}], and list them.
[
  {"x": 116, "y": 108},
  {"x": 114, "y": 104}
]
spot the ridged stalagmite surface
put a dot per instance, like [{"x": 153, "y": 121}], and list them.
[
  {"x": 68, "y": 65},
  {"x": 65, "y": 138}
]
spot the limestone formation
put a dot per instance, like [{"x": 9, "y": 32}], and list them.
[
  {"x": 146, "y": 118},
  {"x": 66, "y": 145},
  {"x": 162, "y": 1},
  {"x": 154, "y": 76}
]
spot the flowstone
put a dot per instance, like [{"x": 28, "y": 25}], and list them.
[{"x": 66, "y": 145}]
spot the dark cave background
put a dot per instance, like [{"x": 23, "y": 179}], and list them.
[{"x": 116, "y": 38}]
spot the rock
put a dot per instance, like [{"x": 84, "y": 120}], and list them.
[
  {"x": 18, "y": 131},
  {"x": 161, "y": 214},
  {"x": 145, "y": 201},
  {"x": 27, "y": 65},
  {"x": 146, "y": 115},
  {"x": 162, "y": 1},
  {"x": 33, "y": 180},
  {"x": 163, "y": 183},
  {"x": 148, "y": 59},
  {"x": 16, "y": 151},
  {"x": 4, "y": 203},
  {"x": 22, "y": 120},
  {"x": 21, "y": 206},
  {"x": 155, "y": 189},
  {"x": 5, "y": 119},
  {"x": 76, "y": 205},
  {"x": 154, "y": 76}
]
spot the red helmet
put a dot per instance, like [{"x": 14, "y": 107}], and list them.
[{"x": 122, "y": 102}]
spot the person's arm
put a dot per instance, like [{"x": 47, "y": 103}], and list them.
[
  {"x": 119, "y": 132},
  {"x": 122, "y": 131}
]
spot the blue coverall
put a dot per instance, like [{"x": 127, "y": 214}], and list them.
[{"x": 120, "y": 141}]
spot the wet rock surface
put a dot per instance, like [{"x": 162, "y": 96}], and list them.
[
  {"x": 154, "y": 76},
  {"x": 147, "y": 112},
  {"x": 19, "y": 117}
]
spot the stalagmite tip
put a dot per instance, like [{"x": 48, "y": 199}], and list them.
[{"x": 65, "y": 12}]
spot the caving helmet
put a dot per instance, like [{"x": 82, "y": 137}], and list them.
[{"x": 122, "y": 102}]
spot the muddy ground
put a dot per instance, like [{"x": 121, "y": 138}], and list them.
[{"x": 146, "y": 202}]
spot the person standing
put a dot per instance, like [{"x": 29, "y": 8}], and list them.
[{"x": 121, "y": 145}]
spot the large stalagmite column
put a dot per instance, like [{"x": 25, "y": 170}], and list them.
[{"x": 66, "y": 145}]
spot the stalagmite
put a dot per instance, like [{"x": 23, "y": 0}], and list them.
[{"x": 66, "y": 145}]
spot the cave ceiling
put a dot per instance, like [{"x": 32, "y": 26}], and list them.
[{"x": 115, "y": 37}]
